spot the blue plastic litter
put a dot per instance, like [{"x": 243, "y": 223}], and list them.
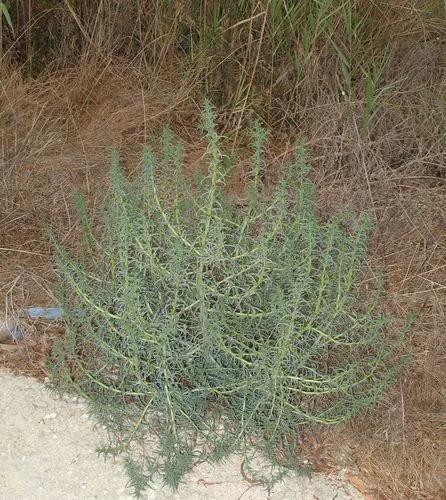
[
  {"x": 10, "y": 330},
  {"x": 15, "y": 331},
  {"x": 51, "y": 313}
]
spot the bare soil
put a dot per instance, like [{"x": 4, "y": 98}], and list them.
[{"x": 47, "y": 450}]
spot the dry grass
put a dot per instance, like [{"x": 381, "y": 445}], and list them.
[
  {"x": 400, "y": 447},
  {"x": 57, "y": 137},
  {"x": 57, "y": 133}
]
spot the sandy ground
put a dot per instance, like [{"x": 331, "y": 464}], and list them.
[{"x": 47, "y": 451}]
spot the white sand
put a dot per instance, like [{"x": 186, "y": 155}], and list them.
[{"x": 47, "y": 451}]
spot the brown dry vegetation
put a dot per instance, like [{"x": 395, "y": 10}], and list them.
[{"x": 58, "y": 128}]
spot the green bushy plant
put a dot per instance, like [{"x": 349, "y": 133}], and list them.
[{"x": 216, "y": 327}]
